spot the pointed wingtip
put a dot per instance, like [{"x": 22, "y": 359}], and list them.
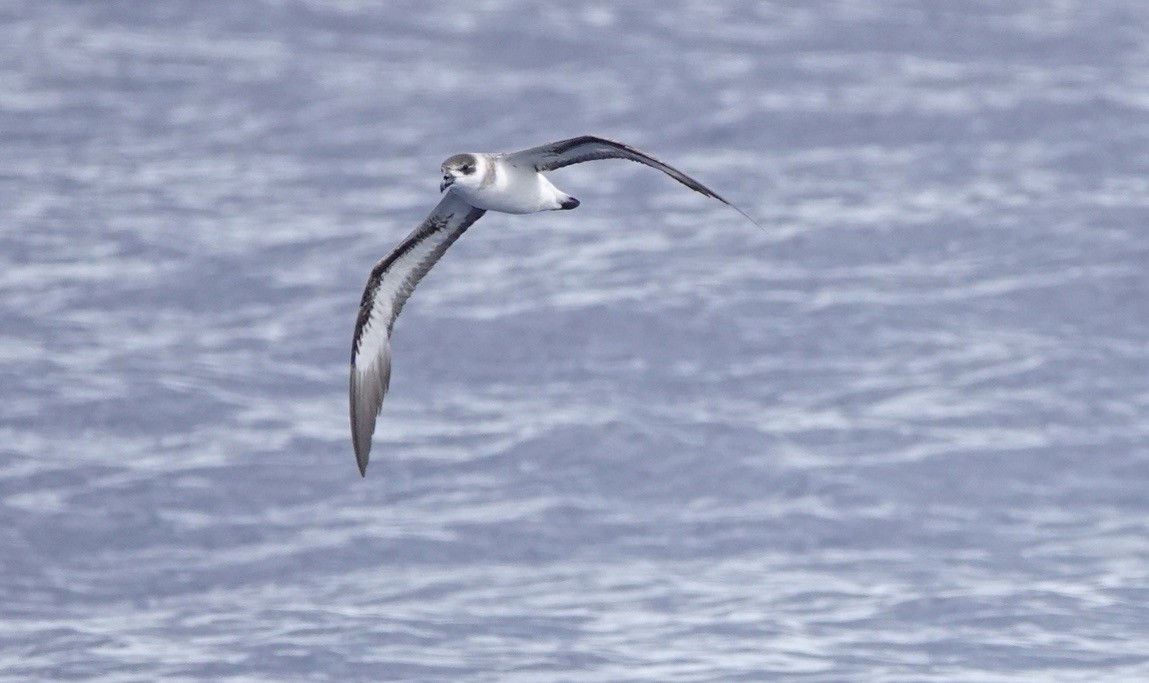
[
  {"x": 367, "y": 390},
  {"x": 734, "y": 206},
  {"x": 361, "y": 460},
  {"x": 747, "y": 216}
]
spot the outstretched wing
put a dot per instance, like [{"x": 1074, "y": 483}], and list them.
[
  {"x": 590, "y": 148},
  {"x": 391, "y": 282}
]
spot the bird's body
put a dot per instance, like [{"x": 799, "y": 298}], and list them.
[
  {"x": 473, "y": 184},
  {"x": 507, "y": 187}
]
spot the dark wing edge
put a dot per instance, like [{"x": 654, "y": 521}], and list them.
[
  {"x": 389, "y": 286},
  {"x": 564, "y": 153}
]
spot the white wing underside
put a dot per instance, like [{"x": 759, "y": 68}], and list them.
[{"x": 391, "y": 282}]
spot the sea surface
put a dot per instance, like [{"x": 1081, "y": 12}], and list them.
[{"x": 900, "y": 433}]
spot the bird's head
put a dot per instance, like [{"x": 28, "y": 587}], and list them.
[{"x": 463, "y": 170}]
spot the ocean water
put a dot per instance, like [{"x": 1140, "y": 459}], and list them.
[{"x": 899, "y": 434}]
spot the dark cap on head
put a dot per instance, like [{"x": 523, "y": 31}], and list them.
[{"x": 460, "y": 160}]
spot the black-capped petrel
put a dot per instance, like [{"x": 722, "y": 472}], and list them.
[{"x": 474, "y": 184}]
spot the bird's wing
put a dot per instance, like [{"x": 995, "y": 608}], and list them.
[
  {"x": 554, "y": 155},
  {"x": 391, "y": 282}
]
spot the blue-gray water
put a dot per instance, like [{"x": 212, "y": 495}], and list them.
[{"x": 900, "y": 435}]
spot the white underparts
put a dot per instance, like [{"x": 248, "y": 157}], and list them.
[{"x": 515, "y": 189}]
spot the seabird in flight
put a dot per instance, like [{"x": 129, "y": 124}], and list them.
[{"x": 473, "y": 184}]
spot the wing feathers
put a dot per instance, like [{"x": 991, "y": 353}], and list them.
[
  {"x": 591, "y": 147},
  {"x": 390, "y": 284}
]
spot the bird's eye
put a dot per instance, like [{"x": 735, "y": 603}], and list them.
[{"x": 468, "y": 170}]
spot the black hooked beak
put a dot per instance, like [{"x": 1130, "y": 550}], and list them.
[{"x": 448, "y": 180}]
